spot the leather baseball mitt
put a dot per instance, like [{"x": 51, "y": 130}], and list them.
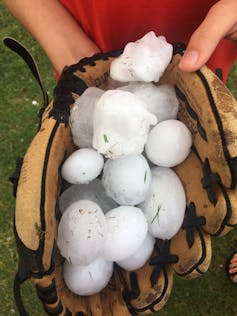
[{"x": 209, "y": 176}]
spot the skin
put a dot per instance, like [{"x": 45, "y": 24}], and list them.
[
  {"x": 233, "y": 268},
  {"x": 37, "y": 16},
  {"x": 220, "y": 22}
]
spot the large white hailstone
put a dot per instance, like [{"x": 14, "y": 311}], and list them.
[
  {"x": 127, "y": 179},
  {"x": 81, "y": 117},
  {"x": 139, "y": 258},
  {"x": 89, "y": 279},
  {"x": 82, "y": 166},
  {"x": 82, "y": 232},
  {"x": 143, "y": 60},
  {"x": 165, "y": 205},
  {"x": 121, "y": 124},
  {"x": 160, "y": 100},
  {"x": 168, "y": 143},
  {"x": 127, "y": 229},
  {"x": 93, "y": 191}
]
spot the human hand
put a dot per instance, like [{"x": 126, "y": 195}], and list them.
[{"x": 220, "y": 22}]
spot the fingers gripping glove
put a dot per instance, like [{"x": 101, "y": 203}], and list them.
[{"x": 211, "y": 202}]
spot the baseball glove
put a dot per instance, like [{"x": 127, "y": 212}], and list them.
[{"x": 209, "y": 176}]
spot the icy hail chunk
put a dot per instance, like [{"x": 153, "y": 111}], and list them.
[
  {"x": 127, "y": 229},
  {"x": 143, "y": 60},
  {"x": 93, "y": 191},
  {"x": 81, "y": 117},
  {"x": 121, "y": 124},
  {"x": 82, "y": 166},
  {"x": 139, "y": 258},
  {"x": 165, "y": 205},
  {"x": 82, "y": 232},
  {"x": 160, "y": 100},
  {"x": 127, "y": 179},
  {"x": 89, "y": 279},
  {"x": 168, "y": 143}
]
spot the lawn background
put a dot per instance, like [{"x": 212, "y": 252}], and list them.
[{"x": 20, "y": 100}]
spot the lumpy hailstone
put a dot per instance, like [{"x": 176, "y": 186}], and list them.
[
  {"x": 127, "y": 229},
  {"x": 143, "y": 60},
  {"x": 165, "y": 205},
  {"x": 82, "y": 232},
  {"x": 93, "y": 191},
  {"x": 121, "y": 124},
  {"x": 160, "y": 100},
  {"x": 82, "y": 166},
  {"x": 81, "y": 117},
  {"x": 168, "y": 143},
  {"x": 89, "y": 279},
  {"x": 127, "y": 179},
  {"x": 139, "y": 258}
]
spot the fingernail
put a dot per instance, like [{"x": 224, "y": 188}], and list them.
[{"x": 189, "y": 58}]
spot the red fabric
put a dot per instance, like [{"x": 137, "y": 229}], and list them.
[{"x": 113, "y": 23}]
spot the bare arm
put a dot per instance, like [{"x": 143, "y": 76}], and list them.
[{"x": 55, "y": 30}]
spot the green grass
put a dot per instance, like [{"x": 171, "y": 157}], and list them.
[{"x": 212, "y": 294}]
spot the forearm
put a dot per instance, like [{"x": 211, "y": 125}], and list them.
[{"x": 55, "y": 30}]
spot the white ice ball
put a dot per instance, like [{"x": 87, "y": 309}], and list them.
[
  {"x": 165, "y": 205},
  {"x": 127, "y": 179},
  {"x": 82, "y": 166},
  {"x": 89, "y": 279},
  {"x": 143, "y": 60},
  {"x": 168, "y": 143},
  {"x": 160, "y": 100},
  {"x": 121, "y": 124},
  {"x": 93, "y": 191},
  {"x": 127, "y": 229},
  {"x": 82, "y": 232},
  {"x": 139, "y": 258},
  {"x": 81, "y": 117}
]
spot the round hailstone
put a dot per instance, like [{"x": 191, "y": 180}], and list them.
[
  {"x": 168, "y": 143},
  {"x": 89, "y": 279},
  {"x": 121, "y": 124},
  {"x": 81, "y": 117},
  {"x": 93, "y": 191},
  {"x": 127, "y": 229},
  {"x": 165, "y": 205},
  {"x": 139, "y": 258},
  {"x": 127, "y": 179},
  {"x": 143, "y": 60},
  {"x": 82, "y": 166},
  {"x": 160, "y": 100},
  {"x": 82, "y": 232}
]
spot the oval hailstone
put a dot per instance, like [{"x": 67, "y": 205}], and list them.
[
  {"x": 89, "y": 279},
  {"x": 121, "y": 124},
  {"x": 127, "y": 229},
  {"x": 168, "y": 143},
  {"x": 165, "y": 205},
  {"x": 82, "y": 232},
  {"x": 93, "y": 191},
  {"x": 139, "y": 258},
  {"x": 143, "y": 60},
  {"x": 81, "y": 117},
  {"x": 160, "y": 100},
  {"x": 127, "y": 179},
  {"x": 82, "y": 166}
]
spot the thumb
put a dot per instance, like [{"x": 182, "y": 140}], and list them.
[{"x": 204, "y": 40}]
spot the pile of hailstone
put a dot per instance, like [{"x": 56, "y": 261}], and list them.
[{"x": 123, "y": 192}]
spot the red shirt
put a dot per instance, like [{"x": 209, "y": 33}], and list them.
[{"x": 113, "y": 23}]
